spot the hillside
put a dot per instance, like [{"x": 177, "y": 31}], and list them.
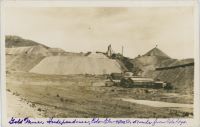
[
  {"x": 156, "y": 64},
  {"x": 16, "y": 41},
  {"x": 22, "y": 62},
  {"x": 23, "y": 54},
  {"x": 28, "y": 50},
  {"x": 29, "y": 56},
  {"x": 175, "y": 62},
  {"x": 149, "y": 61},
  {"x": 182, "y": 78}
]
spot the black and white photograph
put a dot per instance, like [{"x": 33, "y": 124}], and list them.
[{"x": 100, "y": 61}]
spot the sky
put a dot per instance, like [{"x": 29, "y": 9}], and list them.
[{"x": 83, "y": 29}]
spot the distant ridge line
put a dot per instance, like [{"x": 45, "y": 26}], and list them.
[{"x": 13, "y": 41}]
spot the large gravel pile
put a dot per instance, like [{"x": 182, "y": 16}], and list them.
[
  {"x": 29, "y": 50},
  {"x": 64, "y": 65}
]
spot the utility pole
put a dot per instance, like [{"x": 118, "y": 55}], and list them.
[{"x": 122, "y": 50}]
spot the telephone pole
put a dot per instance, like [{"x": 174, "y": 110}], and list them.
[{"x": 122, "y": 50}]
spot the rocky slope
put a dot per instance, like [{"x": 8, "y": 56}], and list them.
[{"x": 174, "y": 71}]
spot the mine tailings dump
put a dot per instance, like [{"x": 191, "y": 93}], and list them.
[{"x": 64, "y": 65}]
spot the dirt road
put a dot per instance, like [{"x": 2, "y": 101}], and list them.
[{"x": 176, "y": 106}]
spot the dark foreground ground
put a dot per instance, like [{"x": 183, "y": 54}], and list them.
[{"x": 84, "y": 96}]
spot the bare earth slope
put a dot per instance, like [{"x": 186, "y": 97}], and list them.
[
  {"x": 22, "y": 62},
  {"x": 182, "y": 78},
  {"x": 29, "y": 50},
  {"x": 63, "y": 65},
  {"x": 20, "y": 108}
]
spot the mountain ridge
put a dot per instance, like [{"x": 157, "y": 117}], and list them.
[{"x": 12, "y": 41}]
